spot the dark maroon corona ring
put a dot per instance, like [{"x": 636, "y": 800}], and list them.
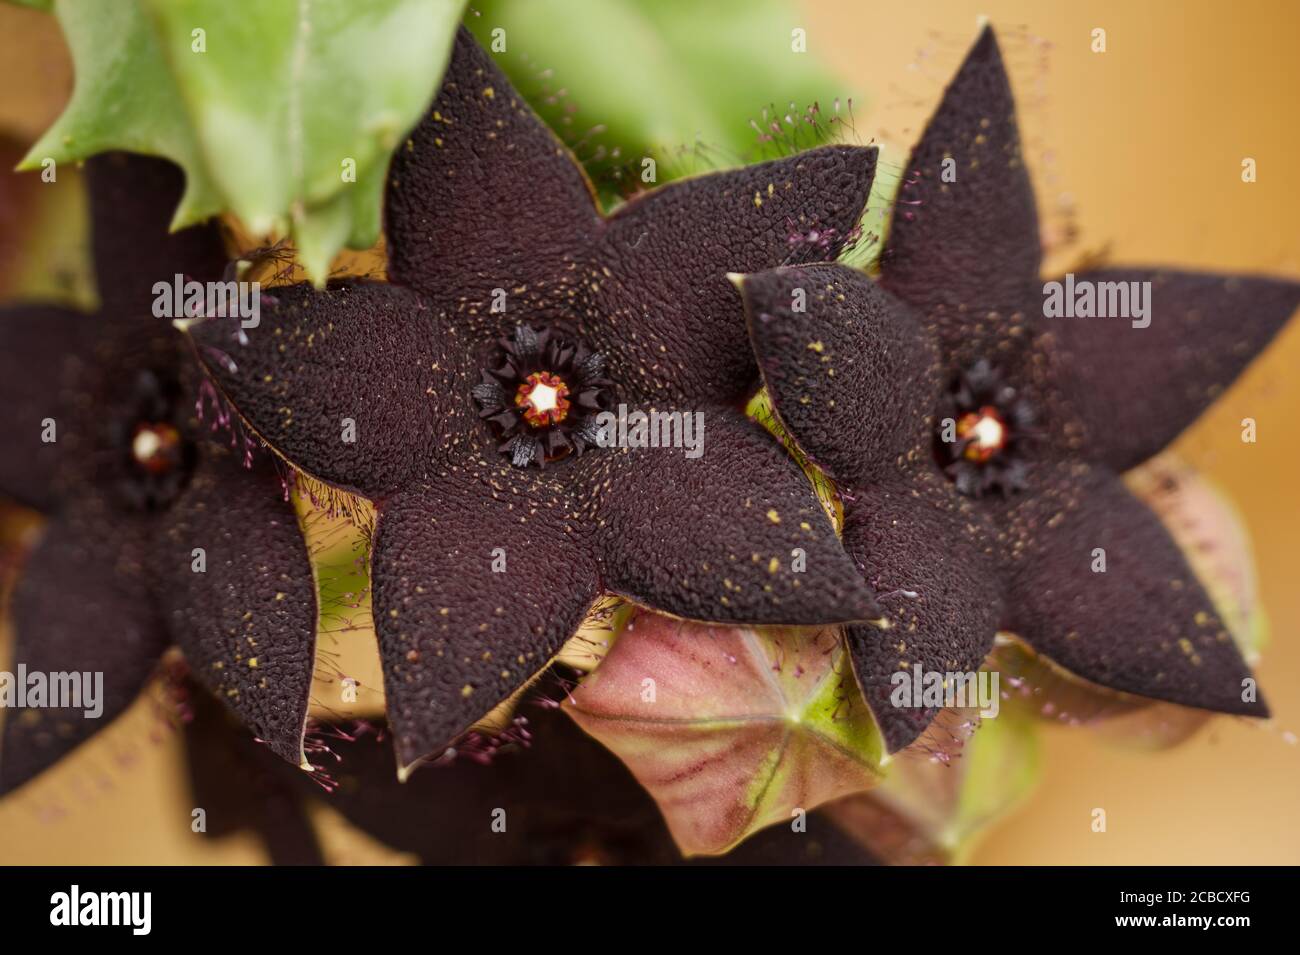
[
  {"x": 996, "y": 524},
  {"x": 504, "y": 278},
  {"x": 130, "y": 487},
  {"x": 544, "y": 397}
]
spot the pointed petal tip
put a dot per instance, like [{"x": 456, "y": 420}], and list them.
[
  {"x": 8, "y": 785},
  {"x": 899, "y": 734},
  {"x": 985, "y": 48},
  {"x": 866, "y": 611},
  {"x": 411, "y": 759},
  {"x": 1258, "y": 710}
]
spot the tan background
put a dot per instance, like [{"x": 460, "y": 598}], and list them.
[{"x": 1146, "y": 142}]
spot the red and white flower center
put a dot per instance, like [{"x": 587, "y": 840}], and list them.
[
  {"x": 156, "y": 447},
  {"x": 544, "y": 399},
  {"x": 985, "y": 433}
]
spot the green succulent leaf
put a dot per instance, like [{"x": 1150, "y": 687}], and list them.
[
  {"x": 675, "y": 80},
  {"x": 124, "y": 98},
  {"x": 945, "y": 792},
  {"x": 284, "y": 112},
  {"x": 1002, "y": 769}
]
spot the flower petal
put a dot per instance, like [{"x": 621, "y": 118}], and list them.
[
  {"x": 80, "y": 605},
  {"x": 46, "y": 355},
  {"x": 483, "y": 195},
  {"x": 1210, "y": 535},
  {"x": 240, "y": 785},
  {"x": 668, "y": 319},
  {"x": 562, "y": 797},
  {"x": 969, "y": 242},
  {"x": 1138, "y": 388},
  {"x": 247, "y": 621},
  {"x": 360, "y": 361},
  {"x": 850, "y": 370},
  {"x": 735, "y": 535},
  {"x": 478, "y": 581},
  {"x": 1142, "y": 625},
  {"x": 132, "y": 199},
  {"x": 924, "y": 549}
]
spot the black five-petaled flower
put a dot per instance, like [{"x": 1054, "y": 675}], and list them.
[
  {"x": 98, "y": 423},
  {"x": 483, "y": 562},
  {"x": 980, "y": 443}
]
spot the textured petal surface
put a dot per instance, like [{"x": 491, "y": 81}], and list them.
[
  {"x": 1210, "y": 535},
  {"x": 926, "y": 551},
  {"x": 476, "y": 587},
  {"x": 80, "y": 605},
  {"x": 667, "y": 316},
  {"x": 849, "y": 368},
  {"x": 730, "y": 730},
  {"x": 131, "y": 203},
  {"x": 959, "y": 248},
  {"x": 1144, "y": 625},
  {"x": 359, "y": 361},
  {"x": 46, "y": 354},
  {"x": 247, "y": 622},
  {"x": 1136, "y": 389},
  {"x": 483, "y": 195},
  {"x": 735, "y": 535}
]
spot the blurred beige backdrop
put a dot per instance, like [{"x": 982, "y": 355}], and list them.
[{"x": 1145, "y": 141}]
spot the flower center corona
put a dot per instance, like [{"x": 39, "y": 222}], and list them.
[
  {"x": 544, "y": 395},
  {"x": 983, "y": 424},
  {"x": 149, "y": 436},
  {"x": 156, "y": 447},
  {"x": 544, "y": 399},
  {"x": 984, "y": 432}
]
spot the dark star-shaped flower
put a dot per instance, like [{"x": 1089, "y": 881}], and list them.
[
  {"x": 563, "y": 797},
  {"x": 979, "y": 442},
  {"x": 98, "y": 419},
  {"x": 514, "y": 313}
]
